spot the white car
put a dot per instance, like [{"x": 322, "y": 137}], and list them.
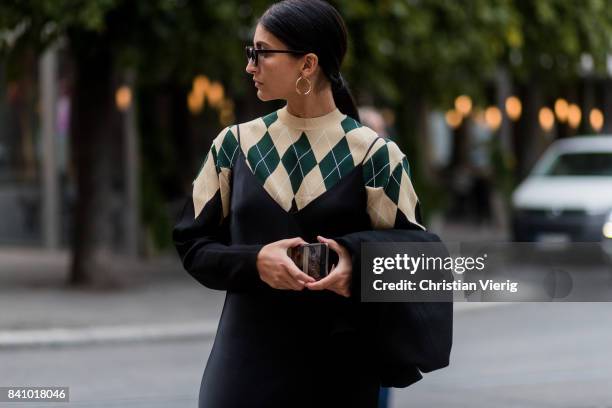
[{"x": 568, "y": 195}]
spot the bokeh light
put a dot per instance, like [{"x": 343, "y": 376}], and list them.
[
  {"x": 195, "y": 102},
  {"x": 561, "y": 110},
  {"x": 574, "y": 115},
  {"x": 463, "y": 105},
  {"x": 215, "y": 94},
  {"x": 546, "y": 118},
  {"x": 201, "y": 83},
  {"x": 493, "y": 117},
  {"x": 123, "y": 98},
  {"x": 597, "y": 119},
  {"x": 453, "y": 118},
  {"x": 514, "y": 107}
]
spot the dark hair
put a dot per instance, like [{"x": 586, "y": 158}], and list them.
[{"x": 314, "y": 26}]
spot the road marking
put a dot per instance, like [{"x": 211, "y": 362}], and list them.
[{"x": 106, "y": 334}]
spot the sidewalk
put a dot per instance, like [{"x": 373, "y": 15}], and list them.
[{"x": 161, "y": 301}]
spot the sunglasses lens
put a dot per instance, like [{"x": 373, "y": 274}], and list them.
[{"x": 251, "y": 55}]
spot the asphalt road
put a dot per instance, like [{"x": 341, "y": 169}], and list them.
[
  {"x": 512, "y": 355},
  {"x": 524, "y": 355},
  {"x": 153, "y": 374}
]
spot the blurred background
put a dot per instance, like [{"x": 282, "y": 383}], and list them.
[{"x": 107, "y": 108}]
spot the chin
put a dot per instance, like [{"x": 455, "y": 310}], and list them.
[
  {"x": 266, "y": 96},
  {"x": 262, "y": 96}
]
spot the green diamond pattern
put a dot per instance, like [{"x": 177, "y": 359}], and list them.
[
  {"x": 406, "y": 167},
  {"x": 228, "y": 151},
  {"x": 213, "y": 151},
  {"x": 392, "y": 189},
  {"x": 376, "y": 170},
  {"x": 299, "y": 160},
  {"x": 270, "y": 119},
  {"x": 336, "y": 164},
  {"x": 349, "y": 124},
  {"x": 263, "y": 157}
]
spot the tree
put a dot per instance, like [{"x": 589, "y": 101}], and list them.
[
  {"x": 417, "y": 56},
  {"x": 159, "y": 40},
  {"x": 412, "y": 55},
  {"x": 545, "y": 62}
]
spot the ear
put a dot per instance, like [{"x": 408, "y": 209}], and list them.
[{"x": 309, "y": 64}]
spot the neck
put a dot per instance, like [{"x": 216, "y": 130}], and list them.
[{"x": 311, "y": 105}]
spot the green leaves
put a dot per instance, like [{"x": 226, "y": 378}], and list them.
[{"x": 436, "y": 47}]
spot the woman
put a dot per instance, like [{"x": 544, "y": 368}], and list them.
[{"x": 308, "y": 172}]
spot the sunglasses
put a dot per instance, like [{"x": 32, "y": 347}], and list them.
[{"x": 252, "y": 53}]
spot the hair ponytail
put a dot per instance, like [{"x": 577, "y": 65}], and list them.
[
  {"x": 315, "y": 26},
  {"x": 343, "y": 98}
]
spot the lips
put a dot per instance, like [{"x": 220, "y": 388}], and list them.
[{"x": 257, "y": 83}]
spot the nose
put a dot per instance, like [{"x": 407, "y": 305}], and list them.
[{"x": 250, "y": 68}]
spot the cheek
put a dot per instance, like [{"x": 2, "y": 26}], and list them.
[{"x": 278, "y": 78}]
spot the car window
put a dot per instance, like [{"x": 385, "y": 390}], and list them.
[{"x": 581, "y": 164}]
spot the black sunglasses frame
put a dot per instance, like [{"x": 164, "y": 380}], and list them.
[{"x": 252, "y": 53}]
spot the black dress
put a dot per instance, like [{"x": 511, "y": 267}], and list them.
[{"x": 280, "y": 348}]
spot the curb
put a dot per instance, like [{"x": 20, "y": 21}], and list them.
[
  {"x": 462, "y": 307},
  {"x": 58, "y": 337},
  {"x": 106, "y": 334}
]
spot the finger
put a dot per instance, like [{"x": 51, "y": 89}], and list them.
[
  {"x": 333, "y": 245},
  {"x": 343, "y": 254},
  {"x": 323, "y": 283},
  {"x": 331, "y": 270},
  {"x": 344, "y": 292},
  {"x": 295, "y": 273},
  {"x": 296, "y": 284},
  {"x": 341, "y": 288},
  {"x": 292, "y": 242},
  {"x": 292, "y": 284},
  {"x": 286, "y": 283}
]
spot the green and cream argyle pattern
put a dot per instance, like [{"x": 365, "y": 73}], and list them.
[
  {"x": 214, "y": 174},
  {"x": 297, "y": 160},
  {"x": 388, "y": 186}
]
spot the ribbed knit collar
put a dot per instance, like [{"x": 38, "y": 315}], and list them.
[{"x": 332, "y": 118}]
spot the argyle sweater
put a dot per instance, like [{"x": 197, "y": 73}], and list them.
[{"x": 297, "y": 160}]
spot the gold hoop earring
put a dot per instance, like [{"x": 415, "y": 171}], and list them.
[{"x": 297, "y": 87}]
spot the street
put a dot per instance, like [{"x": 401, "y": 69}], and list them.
[
  {"x": 524, "y": 355},
  {"x": 506, "y": 355},
  {"x": 154, "y": 374}
]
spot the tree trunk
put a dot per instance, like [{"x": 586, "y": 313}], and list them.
[
  {"x": 527, "y": 131},
  {"x": 423, "y": 138},
  {"x": 607, "y": 106},
  {"x": 92, "y": 125}
]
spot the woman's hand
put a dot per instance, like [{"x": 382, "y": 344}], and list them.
[
  {"x": 277, "y": 269},
  {"x": 339, "y": 278}
]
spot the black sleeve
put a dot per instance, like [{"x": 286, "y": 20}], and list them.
[
  {"x": 201, "y": 235},
  {"x": 202, "y": 244}
]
